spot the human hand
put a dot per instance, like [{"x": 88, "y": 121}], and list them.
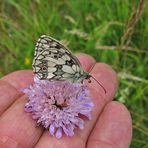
[{"x": 110, "y": 126}]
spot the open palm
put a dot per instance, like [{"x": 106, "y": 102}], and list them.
[{"x": 110, "y": 126}]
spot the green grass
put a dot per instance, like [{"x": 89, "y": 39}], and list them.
[{"x": 99, "y": 28}]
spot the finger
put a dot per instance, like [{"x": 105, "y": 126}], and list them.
[
  {"x": 11, "y": 85},
  {"x": 17, "y": 128},
  {"x": 8, "y": 94},
  {"x": 107, "y": 76},
  {"x": 19, "y": 79},
  {"x": 113, "y": 129},
  {"x": 24, "y": 124},
  {"x": 86, "y": 61}
]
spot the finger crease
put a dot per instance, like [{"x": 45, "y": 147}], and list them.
[{"x": 104, "y": 142}]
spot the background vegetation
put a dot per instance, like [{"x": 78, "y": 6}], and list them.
[{"x": 112, "y": 31}]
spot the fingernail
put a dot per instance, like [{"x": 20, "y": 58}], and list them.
[{"x": 7, "y": 142}]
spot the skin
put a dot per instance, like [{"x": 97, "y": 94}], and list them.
[{"x": 110, "y": 127}]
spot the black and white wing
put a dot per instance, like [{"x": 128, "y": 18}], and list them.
[{"x": 53, "y": 61}]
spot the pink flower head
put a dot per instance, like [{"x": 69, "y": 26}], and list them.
[{"x": 57, "y": 105}]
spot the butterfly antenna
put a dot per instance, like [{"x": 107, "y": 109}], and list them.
[
  {"x": 96, "y": 79},
  {"x": 99, "y": 84}
]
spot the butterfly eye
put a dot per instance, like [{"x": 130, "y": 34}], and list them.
[{"x": 44, "y": 68}]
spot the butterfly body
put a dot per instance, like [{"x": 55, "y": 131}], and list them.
[{"x": 54, "y": 61}]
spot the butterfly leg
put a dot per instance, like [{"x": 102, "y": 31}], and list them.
[
  {"x": 89, "y": 80},
  {"x": 82, "y": 81}
]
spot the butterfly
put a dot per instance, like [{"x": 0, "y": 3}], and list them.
[{"x": 53, "y": 61}]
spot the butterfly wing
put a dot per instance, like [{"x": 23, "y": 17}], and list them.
[
  {"x": 54, "y": 61},
  {"x": 49, "y": 43}
]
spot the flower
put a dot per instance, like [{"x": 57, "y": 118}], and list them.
[{"x": 58, "y": 105}]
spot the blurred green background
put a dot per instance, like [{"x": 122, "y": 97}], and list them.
[{"x": 112, "y": 31}]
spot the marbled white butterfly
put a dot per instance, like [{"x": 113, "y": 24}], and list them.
[{"x": 53, "y": 61}]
